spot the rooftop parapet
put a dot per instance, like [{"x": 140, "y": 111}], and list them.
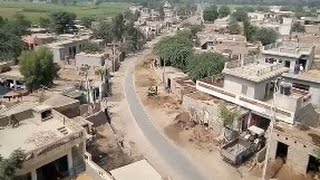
[{"x": 289, "y": 49}]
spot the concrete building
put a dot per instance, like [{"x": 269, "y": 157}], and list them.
[
  {"x": 205, "y": 110},
  {"x": 54, "y": 145},
  {"x": 92, "y": 60},
  {"x": 298, "y": 145},
  {"x": 309, "y": 81},
  {"x": 64, "y": 105},
  {"x": 254, "y": 80},
  {"x": 251, "y": 86},
  {"x": 290, "y": 54},
  {"x": 64, "y": 51},
  {"x": 231, "y": 46},
  {"x": 37, "y": 39}
]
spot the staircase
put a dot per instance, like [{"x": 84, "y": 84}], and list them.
[{"x": 63, "y": 130}]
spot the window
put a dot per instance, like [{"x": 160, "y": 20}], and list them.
[
  {"x": 244, "y": 89},
  {"x": 287, "y": 64},
  {"x": 46, "y": 115}
]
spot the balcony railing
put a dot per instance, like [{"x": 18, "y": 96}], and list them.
[{"x": 249, "y": 103}]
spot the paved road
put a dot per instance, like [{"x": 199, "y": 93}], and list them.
[{"x": 172, "y": 156}]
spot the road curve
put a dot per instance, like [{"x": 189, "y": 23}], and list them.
[{"x": 172, "y": 156}]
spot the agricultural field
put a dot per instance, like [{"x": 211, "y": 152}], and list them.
[{"x": 33, "y": 11}]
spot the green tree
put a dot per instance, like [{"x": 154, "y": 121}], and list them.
[
  {"x": 266, "y": 36},
  {"x": 249, "y": 30},
  {"x": 118, "y": 27},
  {"x": 91, "y": 47},
  {"x": 19, "y": 26},
  {"x": 86, "y": 21},
  {"x": 161, "y": 12},
  {"x": 9, "y": 166},
  {"x": 205, "y": 64},
  {"x": 224, "y": 11},
  {"x": 227, "y": 116},
  {"x": 62, "y": 22},
  {"x": 10, "y": 45},
  {"x": 37, "y": 68},
  {"x": 44, "y": 22},
  {"x": 298, "y": 27},
  {"x": 211, "y": 13},
  {"x": 133, "y": 35},
  {"x": 240, "y": 15},
  {"x": 175, "y": 50},
  {"x": 234, "y": 27},
  {"x": 103, "y": 31}
]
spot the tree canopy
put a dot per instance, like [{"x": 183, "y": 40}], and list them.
[
  {"x": 10, "y": 45},
  {"x": 37, "y": 68},
  {"x": 234, "y": 27},
  {"x": 249, "y": 30},
  {"x": 228, "y": 116},
  {"x": 266, "y": 35},
  {"x": 91, "y": 47},
  {"x": 118, "y": 27},
  {"x": 224, "y": 11},
  {"x": 62, "y": 22},
  {"x": 211, "y": 13},
  {"x": 174, "y": 50},
  {"x": 86, "y": 21},
  {"x": 298, "y": 27},
  {"x": 205, "y": 64},
  {"x": 9, "y": 166},
  {"x": 240, "y": 14},
  {"x": 103, "y": 31}
]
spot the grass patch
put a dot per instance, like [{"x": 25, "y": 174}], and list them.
[{"x": 33, "y": 11}]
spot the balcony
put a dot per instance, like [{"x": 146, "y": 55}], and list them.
[{"x": 257, "y": 106}]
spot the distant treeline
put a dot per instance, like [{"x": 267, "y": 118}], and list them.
[{"x": 310, "y": 3}]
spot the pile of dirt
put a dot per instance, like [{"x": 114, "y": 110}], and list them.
[
  {"x": 287, "y": 173},
  {"x": 162, "y": 101},
  {"x": 202, "y": 135},
  {"x": 144, "y": 77},
  {"x": 107, "y": 152},
  {"x": 274, "y": 167}
]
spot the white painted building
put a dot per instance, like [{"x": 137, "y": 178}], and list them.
[{"x": 290, "y": 55}]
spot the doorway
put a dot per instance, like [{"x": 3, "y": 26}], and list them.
[
  {"x": 313, "y": 164},
  {"x": 282, "y": 151},
  {"x": 57, "y": 169}
]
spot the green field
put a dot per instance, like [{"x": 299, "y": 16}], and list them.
[{"x": 33, "y": 11}]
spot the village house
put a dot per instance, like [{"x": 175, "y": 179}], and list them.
[
  {"x": 37, "y": 39},
  {"x": 64, "y": 50},
  {"x": 231, "y": 46},
  {"x": 308, "y": 81},
  {"x": 292, "y": 55},
  {"x": 252, "y": 86},
  {"x": 298, "y": 146},
  {"x": 49, "y": 140}
]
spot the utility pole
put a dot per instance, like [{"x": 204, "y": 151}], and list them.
[
  {"x": 164, "y": 72},
  {"x": 273, "y": 121}
]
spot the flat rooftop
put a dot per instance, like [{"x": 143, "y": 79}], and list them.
[
  {"x": 309, "y": 76},
  {"x": 300, "y": 132},
  {"x": 59, "y": 100},
  {"x": 287, "y": 49},
  {"x": 32, "y": 133},
  {"x": 140, "y": 170},
  {"x": 256, "y": 72}
]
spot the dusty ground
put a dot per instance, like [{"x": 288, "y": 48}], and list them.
[
  {"x": 109, "y": 152},
  {"x": 195, "y": 140}
]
